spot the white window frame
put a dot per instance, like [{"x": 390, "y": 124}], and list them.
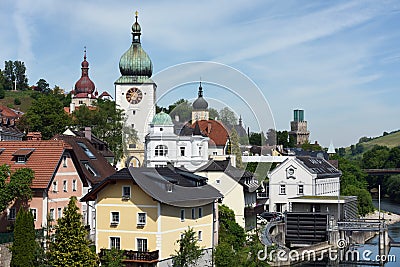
[
  {"x": 65, "y": 185},
  {"x": 182, "y": 150},
  {"x": 141, "y": 218},
  {"x": 112, "y": 221},
  {"x": 21, "y": 159},
  {"x": 115, "y": 240},
  {"x": 59, "y": 213},
  {"x": 139, "y": 248},
  {"x": 65, "y": 161},
  {"x": 200, "y": 235},
  {"x": 34, "y": 213},
  {"x": 161, "y": 151},
  {"x": 302, "y": 189},
  {"x": 282, "y": 189},
  {"x": 74, "y": 185},
  {"x": 124, "y": 196},
  {"x": 51, "y": 214},
  {"x": 55, "y": 186}
]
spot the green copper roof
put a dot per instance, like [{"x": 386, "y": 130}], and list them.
[
  {"x": 135, "y": 65},
  {"x": 162, "y": 119},
  {"x": 135, "y": 62}
]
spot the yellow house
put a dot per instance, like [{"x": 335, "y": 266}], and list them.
[{"x": 145, "y": 210}]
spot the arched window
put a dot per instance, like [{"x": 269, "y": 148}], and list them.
[{"x": 161, "y": 150}]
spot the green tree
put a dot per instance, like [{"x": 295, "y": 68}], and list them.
[
  {"x": 283, "y": 138},
  {"x": 311, "y": 147},
  {"x": 70, "y": 247},
  {"x": 107, "y": 123},
  {"x": 45, "y": 115},
  {"x": 43, "y": 86},
  {"x": 255, "y": 139},
  {"x": 376, "y": 157},
  {"x": 392, "y": 186},
  {"x": 24, "y": 246},
  {"x": 17, "y": 101},
  {"x": 229, "y": 230},
  {"x": 182, "y": 108},
  {"x": 235, "y": 148},
  {"x": 189, "y": 250},
  {"x": 18, "y": 186},
  {"x": 20, "y": 76},
  {"x": 224, "y": 255},
  {"x": 353, "y": 183},
  {"x": 113, "y": 258},
  {"x": 2, "y": 91},
  {"x": 228, "y": 117},
  {"x": 213, "y": 113},
  {"x": 9, "y": 75}
]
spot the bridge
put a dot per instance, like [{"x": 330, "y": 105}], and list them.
[
  {"x": 369, "y": 225},
  {"x": 388, "y": 171}
]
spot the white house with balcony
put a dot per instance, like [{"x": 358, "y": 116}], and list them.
[
  {"x": 301, "y": 176},
  {"x": 163, "y": 146}
]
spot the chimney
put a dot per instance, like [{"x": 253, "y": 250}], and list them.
[
  {"x": 88, "y": 133},
  {"x": 209, "y": 128},
  {"x": 36, "y": 136}
]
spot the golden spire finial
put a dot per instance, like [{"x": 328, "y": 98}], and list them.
[{"x": 136, "y": 13}]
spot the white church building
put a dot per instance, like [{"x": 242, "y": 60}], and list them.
[{"x": 163, "y": 146}]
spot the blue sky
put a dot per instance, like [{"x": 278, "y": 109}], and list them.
[{"x": 337, "y": 60}]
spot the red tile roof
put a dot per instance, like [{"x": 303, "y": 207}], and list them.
[
  {"x": 44, "y": 160},
  {"x": 7, "y": 112},
  {"x": 215, "y": 130}
]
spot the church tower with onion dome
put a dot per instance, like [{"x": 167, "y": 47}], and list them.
[
  {"x": 200, "y": 107},
  {"x": 135, "y": 93},
  {"x": 84, "y": 92}
]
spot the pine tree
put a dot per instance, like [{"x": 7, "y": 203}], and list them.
[
  {"x": 70, "y": 247},
  {"x": 24, "y": 246},
  {"x": 189, "y": 250}
]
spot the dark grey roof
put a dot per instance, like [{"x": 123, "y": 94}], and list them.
[
  {"x": 156, "y": 186},
  {"x": 319, "y": 166},
  {"x": 163, "y": 186}
]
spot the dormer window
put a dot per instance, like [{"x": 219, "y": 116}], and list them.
[
  {"x": 21, "y": 159},
  {"x": 22, "y": 154}
]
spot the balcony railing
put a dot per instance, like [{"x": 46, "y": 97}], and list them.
[{"x": 136, "y": 256}]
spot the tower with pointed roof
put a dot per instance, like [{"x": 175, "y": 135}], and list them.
[
  {"x": 135, "y": 93},
  {"x": 84, "y": 92},
  {"x": 200, "y": 107}
]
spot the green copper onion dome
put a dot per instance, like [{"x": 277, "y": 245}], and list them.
[
  {"x": 135, "y": 65},
  {"x": 162, "y": 118}
]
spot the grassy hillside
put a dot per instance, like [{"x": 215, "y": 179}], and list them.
[
  {"x": 23, "y": 96},
  {"x": 390, "y": 140}
]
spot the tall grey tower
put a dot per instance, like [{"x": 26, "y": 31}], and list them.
[{"x": 298, "y": 128}]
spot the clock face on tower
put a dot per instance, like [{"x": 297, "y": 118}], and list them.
[{"x": 134, "y": 95}]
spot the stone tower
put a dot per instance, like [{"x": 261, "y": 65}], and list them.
[{"x": 298, "y": 128}]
